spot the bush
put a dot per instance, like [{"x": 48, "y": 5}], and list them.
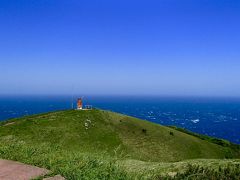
[{"x": 144, "y": 131}]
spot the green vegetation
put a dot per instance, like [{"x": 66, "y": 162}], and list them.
[
  {"x": 98, "y": 144},
  {"x": 221, "y": 142},
  {"x": 201, "y": 173}
]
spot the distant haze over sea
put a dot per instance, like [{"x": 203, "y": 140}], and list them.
[{"x": 218, "y": 117}]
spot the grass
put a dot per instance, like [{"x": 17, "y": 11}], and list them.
[
  {"x": 197, "y": 172},
  {"x": 105, "y": 145},
  {"x": 221, "y": 142}
]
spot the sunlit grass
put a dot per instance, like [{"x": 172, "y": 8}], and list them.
[{"x": 110, "y": 146}]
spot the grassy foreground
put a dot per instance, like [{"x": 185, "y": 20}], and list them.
[{"x": 105, "y": 145}]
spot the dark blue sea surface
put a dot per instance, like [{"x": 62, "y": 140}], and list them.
[{"x": 218, "y": 117}]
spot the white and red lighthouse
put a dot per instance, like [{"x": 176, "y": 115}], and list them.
[{"x": 79, "y": 104}]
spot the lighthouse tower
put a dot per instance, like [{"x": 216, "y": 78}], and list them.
[{"x": 79, "y": 104}]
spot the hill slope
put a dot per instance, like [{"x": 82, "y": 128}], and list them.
[{"x": 59, "y": 137}]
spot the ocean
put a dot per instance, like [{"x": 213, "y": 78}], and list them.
[{"x": 217, "y": 117}]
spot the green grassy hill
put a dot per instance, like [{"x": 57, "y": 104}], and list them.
[{"x": 84, "y": 144}]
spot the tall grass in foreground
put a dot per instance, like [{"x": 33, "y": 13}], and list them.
[
  {"x": 194, "y": 172},
  {"x": 70, "y": 165},
  {"x": 74, "y": 166}
]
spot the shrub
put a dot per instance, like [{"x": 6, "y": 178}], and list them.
[{"x": 144, "y": 131}]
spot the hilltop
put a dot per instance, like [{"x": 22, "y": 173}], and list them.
[{"x": 86, "y": 144}]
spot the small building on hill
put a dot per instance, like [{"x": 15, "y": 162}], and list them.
[{"x": 89, "y": 107}]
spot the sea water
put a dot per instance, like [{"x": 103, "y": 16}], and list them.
[{"x": 217, "y": 117}]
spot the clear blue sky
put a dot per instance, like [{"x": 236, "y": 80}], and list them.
[{"x": 155, "y": 47}]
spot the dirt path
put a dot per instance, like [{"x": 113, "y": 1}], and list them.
[{"x": 12, "y": 170}]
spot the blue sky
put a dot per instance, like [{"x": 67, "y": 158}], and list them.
[{"x": 134, "y": 47}]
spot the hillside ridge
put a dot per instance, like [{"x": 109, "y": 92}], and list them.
[
  {"x": 111, "y": 132},
  {"x": 97, "y": 144}
]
